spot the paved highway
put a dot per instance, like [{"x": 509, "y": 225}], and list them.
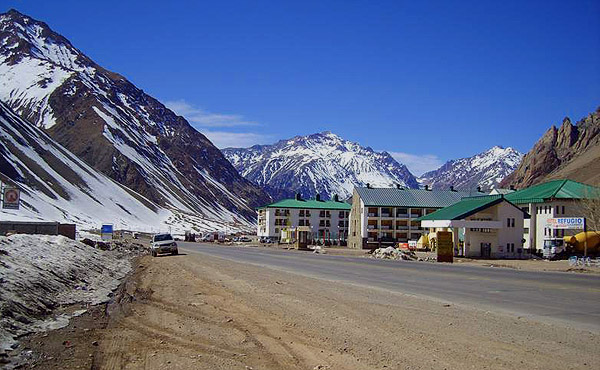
[{"x": 567, "y": 298}]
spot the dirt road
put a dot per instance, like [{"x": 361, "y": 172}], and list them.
[{"x": 198, "y": 312}]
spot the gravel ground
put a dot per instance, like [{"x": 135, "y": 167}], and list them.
[{"x": 198, "y": 312}]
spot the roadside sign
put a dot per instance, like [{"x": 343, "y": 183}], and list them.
[
  {"x": 106, "y": 232},
  {"x": 566, "y": 223},
  {"x": 445, "y": 247},
  {"x": 10, "y": 198}
]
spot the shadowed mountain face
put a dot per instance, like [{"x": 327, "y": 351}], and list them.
[
  {"x": 115, "y": 127},
  {"x": 569, "y": 151},
  {"x": 485, "y": 169},
  {"x": 322, "y": 163}
]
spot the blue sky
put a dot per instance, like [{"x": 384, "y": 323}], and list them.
[{"x": 426, "y": 80}]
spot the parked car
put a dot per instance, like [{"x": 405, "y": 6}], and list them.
[
  {"x": 244, "y": 239},
  {"x": 163, "y": 243},
  {"x": 266, "y": 240}
]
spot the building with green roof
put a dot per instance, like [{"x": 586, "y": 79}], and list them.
[
  {"x": 490, "y": 226},
  {"x": 327, "y": 220},
  {"x": 552, "y": 199},
  {"x": 386, "y": 216}
]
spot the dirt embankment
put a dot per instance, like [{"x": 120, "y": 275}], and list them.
[{"x": 198, "y": 312}]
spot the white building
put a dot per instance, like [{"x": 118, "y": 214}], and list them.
[
  {"x": 558, "y": 198},
  {"x": 490, "y": 226},
  {"x": 328, "y": 220}
]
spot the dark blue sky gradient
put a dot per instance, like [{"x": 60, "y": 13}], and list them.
[{"x": 444, "y": 78}]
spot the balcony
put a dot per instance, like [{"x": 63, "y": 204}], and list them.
[
  {"x": 371, "y": 227},
  {"x": 401, "y": 227},
  {"x": 386, "y": 215},
  {"x": 386, "y": 227},
  {"x": 372, "y": 214},
  {"x": 401, "y": 215},
  {"x": 415, "y": 215}
]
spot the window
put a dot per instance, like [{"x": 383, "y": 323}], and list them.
[
  {"x": 508, "y": 222},
  {"x": 557, "y": 210},
  {"x": 276, "y": 231},
  {"x": 512, "y": 222},
  {"x": 525, "y": 230},
  {"x": 301, "y": 213},
  {"x": 342, "y": 214},
  {"x": 563, "y": 210},
  {"x": 301, "y": 223}
]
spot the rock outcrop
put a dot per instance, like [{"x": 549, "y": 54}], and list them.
[{"x": 569, "y": 151}]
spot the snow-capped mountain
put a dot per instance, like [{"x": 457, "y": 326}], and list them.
[
  {"x": 57, "y": 186},
  {"x": 322, "y": 163},
  {"x": 485, "y": 169},
  {"x": 115, "y": 127}
]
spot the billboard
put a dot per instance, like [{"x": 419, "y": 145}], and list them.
[
  {"x": 445, "y": 246},
  {"x": 10, "y": 198},
  {"x": 565, "y": 223},
  {"x": 106, "y": 231}
]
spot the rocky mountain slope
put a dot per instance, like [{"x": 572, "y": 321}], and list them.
[
  {"x": 485, "y": 169},
  {"x": 115, "y": 127},
  {"x": 570, "y": 151},
  {"x": 57, "y": 186},
  {"x": 322, "y": 163}
]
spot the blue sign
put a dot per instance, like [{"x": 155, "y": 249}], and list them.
[{"x": 106, "y": 232}]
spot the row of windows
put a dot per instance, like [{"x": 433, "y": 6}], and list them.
[
  {"x": 510, "y": 222},
  {"x": 554, "y": 232},
  {"x": 559, "y": 210},
  {"x": 510, "y": 247},
  {"x": 303, "y": 222}
]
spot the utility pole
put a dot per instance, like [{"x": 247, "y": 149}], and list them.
[{"x": 585, "y": 237}]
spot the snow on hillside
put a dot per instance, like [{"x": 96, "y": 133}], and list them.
[
  {"x": 117, "y": 129},
  {"x": 485, "y": 169},
  {"x": 57, "y": 186},
  {"x": 40, "y": 272},
  {"x": 322, "y": 163}
]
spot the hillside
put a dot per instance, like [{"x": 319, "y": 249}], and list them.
[
  {"x": 116, "y": 128},
  {"x": 570, "y": 151}
]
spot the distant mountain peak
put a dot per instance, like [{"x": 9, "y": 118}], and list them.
[
  {"x": 322, "y": 163},
  {"x": 486, "y": 169}
]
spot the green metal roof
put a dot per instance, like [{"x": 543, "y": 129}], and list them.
[
  {"x": 557, "y": 189},
  {"x": 309, "y": 204},
  {"x": 464, "y": 208},
  {"x": 416, "y": 198}
]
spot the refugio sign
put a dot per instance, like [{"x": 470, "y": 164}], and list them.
[{"x": 566, "y": 223}]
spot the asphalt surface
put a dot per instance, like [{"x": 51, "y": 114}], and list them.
[{"x": 569, "y": 299}]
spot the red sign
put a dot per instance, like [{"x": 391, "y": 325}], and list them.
[{"x": 10, "y": 200}]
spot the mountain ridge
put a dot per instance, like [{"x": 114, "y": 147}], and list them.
[
  {"x": 321, "y": 163},
  {"x": 569, "y": 151},
  {"x": 115, "y": 127},
  {"x": 485, "y": 169}
]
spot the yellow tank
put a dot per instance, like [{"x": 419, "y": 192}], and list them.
[
  {"x": 578, "y": 241},
  {"x": 423, "y": 242}
]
